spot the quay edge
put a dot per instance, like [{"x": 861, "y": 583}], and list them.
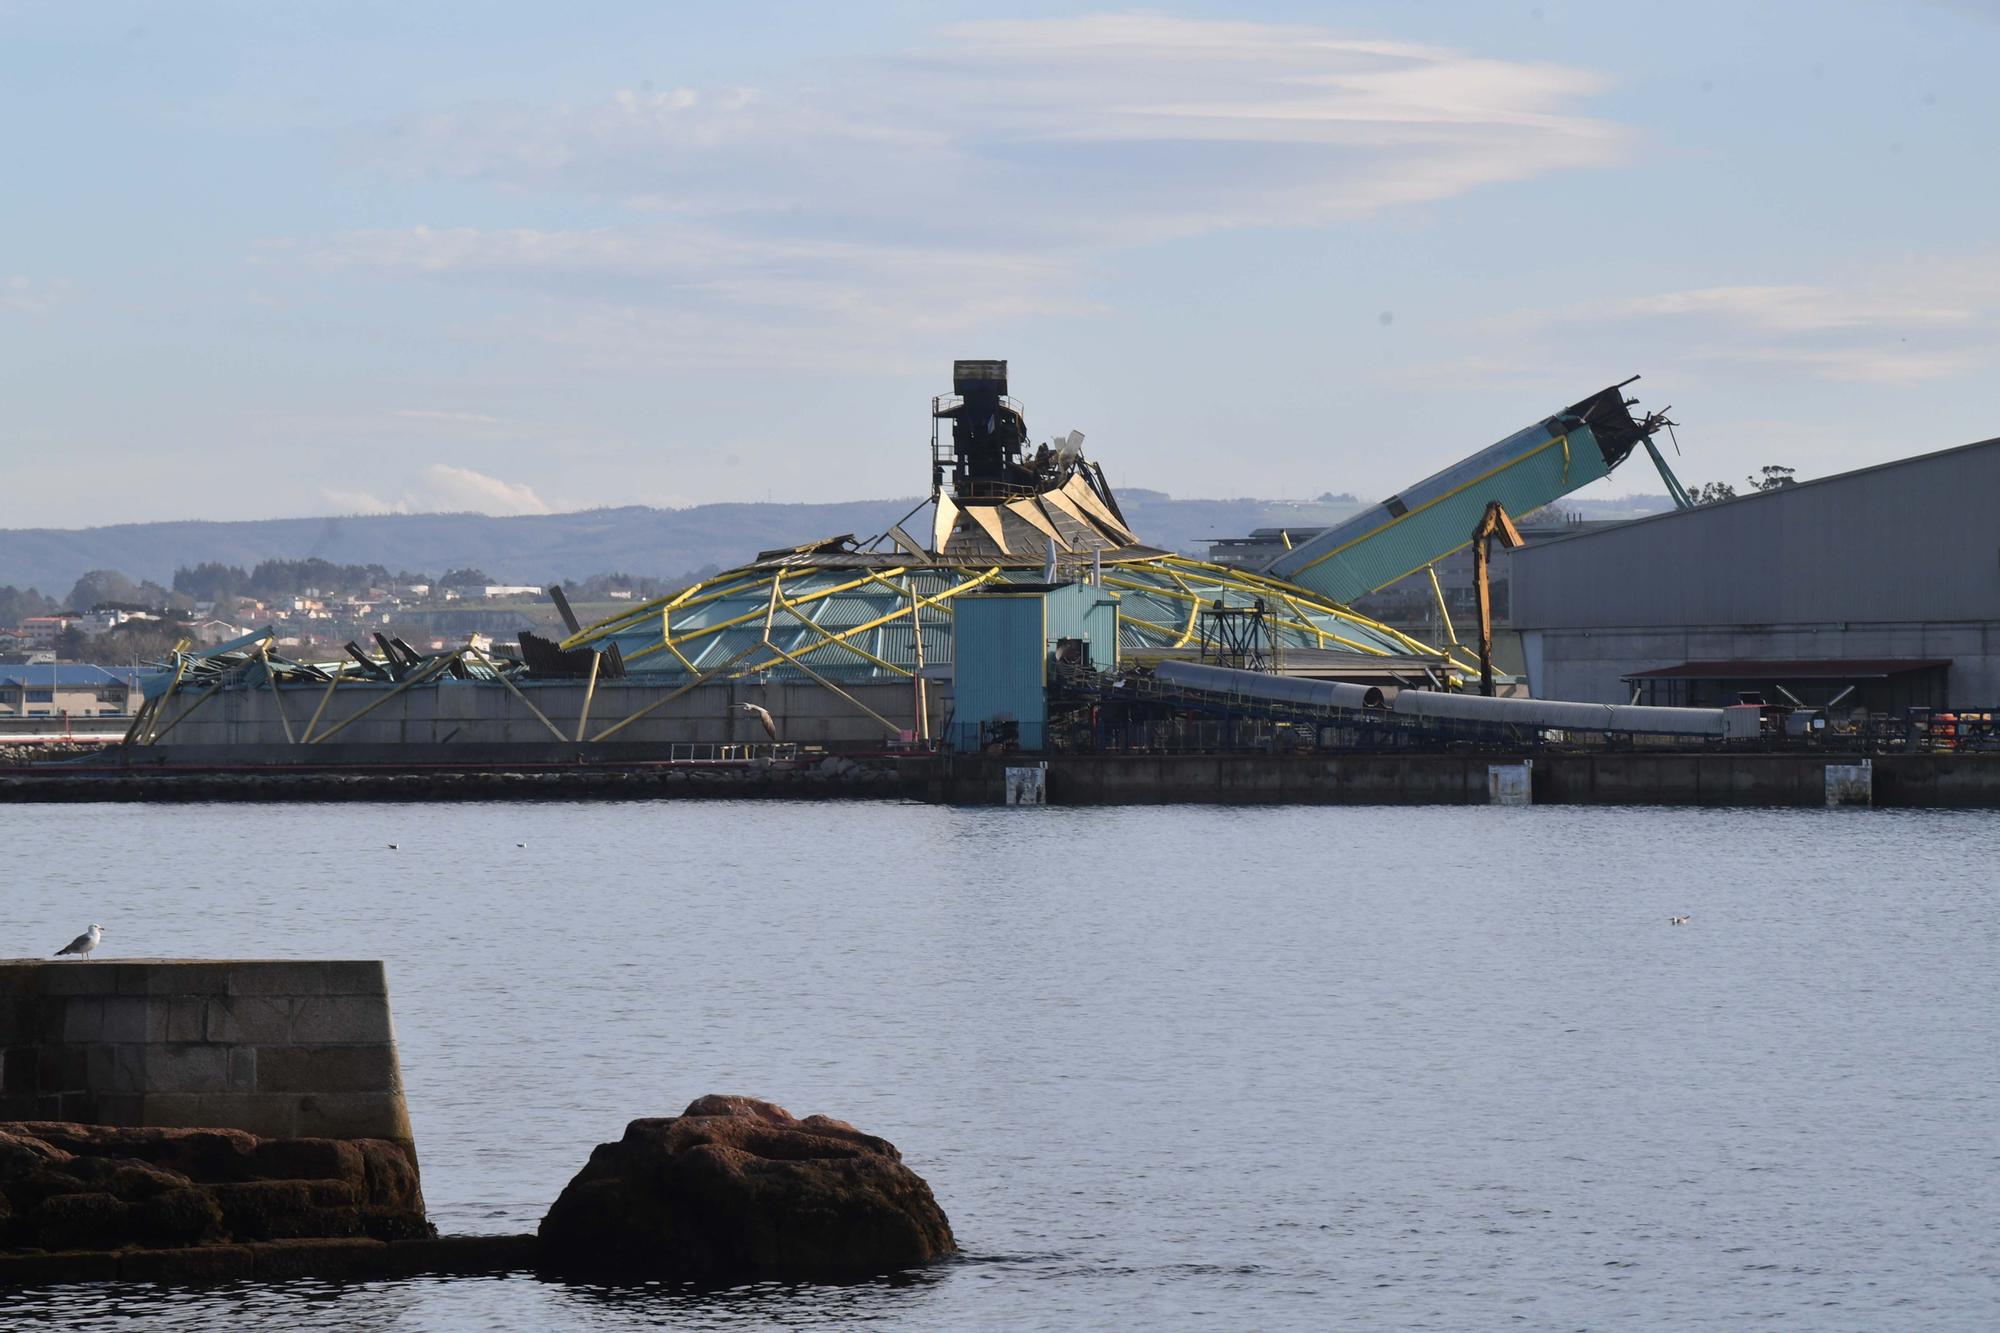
[{"x": 1620, "y": 777}]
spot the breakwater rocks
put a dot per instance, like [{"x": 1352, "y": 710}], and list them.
[
  {"x": 731, "y": 1190},
  {"x": 735, "y": 1189},
  {"x": 94, "y": 1202}
]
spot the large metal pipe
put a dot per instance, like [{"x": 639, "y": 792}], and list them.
[
  {"x": 1540, "y": 714},
  {"x": 1562, "y": 715},
  {"x": 1260, "y": 685}
]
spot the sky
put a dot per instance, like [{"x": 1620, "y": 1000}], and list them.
[{"x": 272, "y": 260}]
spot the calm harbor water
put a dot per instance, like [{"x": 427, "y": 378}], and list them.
[{"x": 1164, "y": 1067}]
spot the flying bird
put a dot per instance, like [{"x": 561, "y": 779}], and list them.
[
  {"x": 83, "y": 943},
  {"x": 1679, "y": 920},
  {"x": 764, "y": 716}
]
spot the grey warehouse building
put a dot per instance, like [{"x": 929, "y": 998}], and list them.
[{"x": 1877, "y": 589}]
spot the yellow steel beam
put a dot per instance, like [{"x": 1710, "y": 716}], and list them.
[
  {"x": 138, "y": 719},
  {"x": 516, "y": 691},
  {"x": 277, "y": 699},
  {"x": 778, "y": 576},
  {"x": 1444, "y": 612},
  {"x": 1258, "y": 582},
  {"x": 305, "y": 737},
  {"x": 1302, "y": 625},
  {"x": 829, "y": 686},
  {"x": 429, "y": 672},
  {"x": 827, "y": 640},
  {"x": 679, "y": 604},
  {"x": 1163, "y": 631},
  {"x": 667, "y": 637},
  {"x": 672, "y": 695},
  {"x": 160, "y": 704},
  {"x": 199, "y": 700},
  {"x": 933, "y": 600},
  {"x": 685, "y": 597},
  {"x": 589, "y": 693}
]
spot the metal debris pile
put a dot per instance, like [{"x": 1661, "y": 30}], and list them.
[{"x": 187, "y": 678}]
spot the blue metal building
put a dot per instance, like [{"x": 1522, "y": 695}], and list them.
[{"x": 1003, "y": 643}]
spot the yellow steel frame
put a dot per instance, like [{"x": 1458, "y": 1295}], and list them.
[{"x": 1194, "y": 582}]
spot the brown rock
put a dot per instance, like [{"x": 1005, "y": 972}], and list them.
[
  {"x": 188, "y": 1267},
  {"x": 38, "y": 1268},
  {"x": 178, "y": 1218},
  {"x": 187, "y": 1187},
  {"x": 91, "y": 1221},
  {"x": 286, "y": 1209},
  {"x": 736, "y": 1189},
  {"x": 279, "y": 1260},
  {"x": 22, "y": 1153},
  {"x": 200, "y": 1154}
]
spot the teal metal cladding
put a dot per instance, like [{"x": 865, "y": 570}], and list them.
[
  {"x": 1376, "y": 547},
  {"x": 1000, "y": 667},
  {"x": 1086, "y": 613}
]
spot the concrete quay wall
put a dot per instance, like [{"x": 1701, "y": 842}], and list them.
[
  {"x": 462, "y": 712},
  {"x": 444, "y": 773},
  {"x": 279, "y": 1049},
  {"x": 1610, "y": 778}
]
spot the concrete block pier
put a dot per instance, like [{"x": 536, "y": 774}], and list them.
[{"x": 278, "y": 1049}]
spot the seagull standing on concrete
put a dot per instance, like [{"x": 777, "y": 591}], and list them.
[
  {"x": 764, "y": 716},
  {"x": 83, "y": 943}
]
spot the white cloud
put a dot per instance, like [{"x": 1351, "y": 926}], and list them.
[
  {"x": 438, "y": 417},
  {"x": 1912, "y": 325},
  {"x": 31, "y": 296},
  {"x": 442, "y": 488},
  {"x": 1780, "y": 309},
  {"x": 986, "y": 177}
]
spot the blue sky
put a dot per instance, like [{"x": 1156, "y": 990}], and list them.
[{"x": 260, "y": 260}]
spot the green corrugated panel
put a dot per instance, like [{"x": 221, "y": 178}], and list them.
[
  {"x": 1348, "y": 562},
  {"x": 998, "y": 652}
]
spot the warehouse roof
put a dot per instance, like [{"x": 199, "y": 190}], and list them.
[
  {"x": 70, "y": 675},
  {"x": 1818, "y": 668}
]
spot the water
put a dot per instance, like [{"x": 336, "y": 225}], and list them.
[{"x": 1164, "y": 1067}]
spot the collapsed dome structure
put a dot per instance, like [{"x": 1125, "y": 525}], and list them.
[
  {"x": 844, "y": 613},
  {"x": 849, "y": 644}
]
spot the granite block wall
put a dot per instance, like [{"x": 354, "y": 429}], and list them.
[{"x": 281, "y": 1049}]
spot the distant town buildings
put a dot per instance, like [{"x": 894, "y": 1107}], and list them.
[{"x": 53, "y": 689}]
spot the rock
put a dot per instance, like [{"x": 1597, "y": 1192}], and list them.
[
  {"x": 179, "y": 1218},
  {"x": 282, "y": 1260},
  {"x": 95, "y": 1187},
  {"x": 193, "y": 1266},
  {"x": 86, "y": 1221},
  {"x": 735, "y": 1189}
]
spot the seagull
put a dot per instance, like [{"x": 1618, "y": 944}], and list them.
[
  {"x": 764, "y": 716},
  {"x": 83, "y": 943},
  {"x": 1679, "y": 920}
]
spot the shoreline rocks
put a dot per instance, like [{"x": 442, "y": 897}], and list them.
[
  {"x": 735, "y": 1189},
  {"x": 75, "y": 1188}
]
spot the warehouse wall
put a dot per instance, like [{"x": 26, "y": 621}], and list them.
[
  {"x": 1896, "y": 561},
  {"x": 1912, "y": 541},
  {"x": 471, "y": 711},
  {"x": 1589, "y": 664}
]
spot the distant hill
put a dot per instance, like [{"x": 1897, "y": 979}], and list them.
[{"x": 663, "y": 543}]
